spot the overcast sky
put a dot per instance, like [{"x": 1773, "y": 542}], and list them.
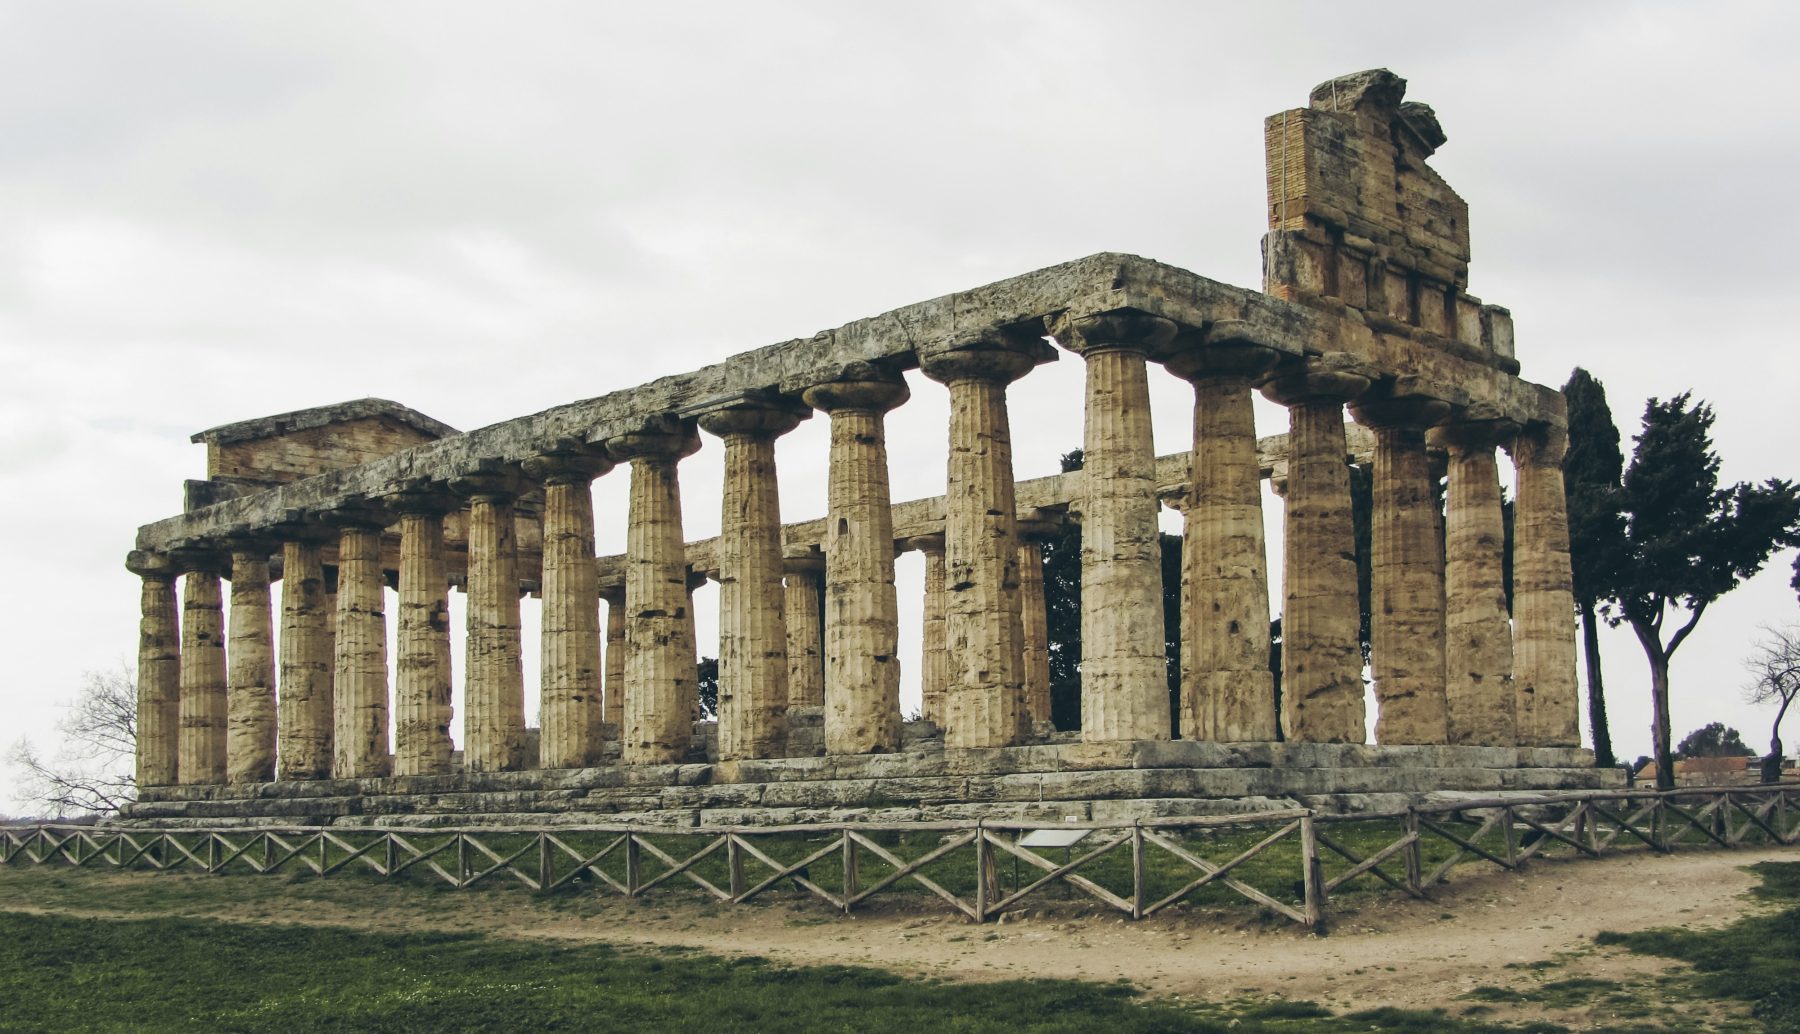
[{"x": 210, "y": 212}]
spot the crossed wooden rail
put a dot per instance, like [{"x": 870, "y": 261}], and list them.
[{"x": 828, "y": 862}]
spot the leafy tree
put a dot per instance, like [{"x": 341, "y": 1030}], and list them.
[
  {"x": 91, "y": 771},
  {"x": 707, "y": 683},
  {"x": 1592, "y": 472},
  {"x": 1713, "y": 740},
  {"x": 1688, "y": 542},
  {"x": 1775, "y": 679}
]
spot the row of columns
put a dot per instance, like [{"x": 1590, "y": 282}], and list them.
[{"x": 1449, "y": 666}]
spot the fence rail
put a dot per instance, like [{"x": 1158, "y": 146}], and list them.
[{"x": 1287, "y": 862}]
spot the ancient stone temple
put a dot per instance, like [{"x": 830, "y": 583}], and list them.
[{"x": 312, "y": 524}]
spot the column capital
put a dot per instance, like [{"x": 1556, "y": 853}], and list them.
[
  {"x": 501, "y": 482},
  {"x": 613, "y": 592},
  {"x": 753, "y": 415},
  {"x": 1539, "y": 445},
  {"x": 422, "y": 498},
  {"x": 863, "y": 386},
  {"x": 1223, "y": 348},
  {"x": 1478, "y": 427},
  {"x": 1332, "y": 377},
  {"x": 200, "y": 556},
  {"x": 148, "y": 563},
  {"x": 358, "y": 513},
  {"x": 1040, "y": 528},
  {"x": 662, "y": 436},
  {"x": 1398, "y": 404},
  {"x": 931, "y": 543},
  {"x": 1002, "y": 354},
  {"x": 808, "y": 561},
  {"x": 1129, "y": 330},
  {"x": 568, "y": 463}
]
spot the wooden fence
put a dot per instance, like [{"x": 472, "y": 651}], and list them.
[{"x": 1290, "y": 863}]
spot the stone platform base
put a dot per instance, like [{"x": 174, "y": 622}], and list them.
[{"x": 1053, "y": 782}]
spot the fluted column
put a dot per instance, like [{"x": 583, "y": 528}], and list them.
[
  {"x": 203, "y": 705},
  {"x": 612, "y": 707},
  {"x": 1545, "y": 689},
  {"x": 422, "y": 640},
  {"x": 158, "y": 670},
  {"x": 1034, "y": 623},
  {"x": 304, "y": 721},
  {"x": 862, "y": 671},
  {"x": 753, "y": 661},
  {"x": 1227, "y": 690},
  {"x": 1478, "y": 688},
  {"x": 360, "y": 690},
  {"x": 1321, "y": 649},
  {"x": 803, "y": 594},
  {"x": 494, "y": 679},
  {"x": 984, "y": 704},
  {"x": 1406, "y": 595},
  {"x": 250, "y": 671},
  {"x": 1124, "y": 673},
  {"x": 659, "y": 653},
  {"x": 570, "y": 701},
  {"x": 690, "y": 636},
  {"x": 934, "y": 665}
]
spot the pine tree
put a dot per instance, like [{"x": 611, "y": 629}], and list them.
[
  {"x": 1688, "y": 541},
  {"x": 1591, "y": 472}
]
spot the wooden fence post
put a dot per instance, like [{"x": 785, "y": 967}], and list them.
[
  {"x": 1138, "y": 888},
  {"x": 982, "y": 863},
  {"x": 633, "y": 865},
  {"x": 734, "y": 864},
  {"x": 546, "y": 871},
  {"x": 1313, "y": 874},
  {"x": 851, "y": 875},
  {"x": 1415, "y": 864}
]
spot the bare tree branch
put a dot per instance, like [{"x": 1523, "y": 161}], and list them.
[{"x": 91, "y": 771}]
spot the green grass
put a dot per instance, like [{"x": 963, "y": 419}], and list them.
[
  {"x": 59, "y": 973},
  {"x": 1754, "y": 960}
]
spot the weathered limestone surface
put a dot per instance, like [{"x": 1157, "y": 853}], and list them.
[
  {"x": 1478, "y": 635},
  {"x": 1406, "y": 623},
  {"x": 570, "y": 700},
  {"x": 422, "y": 647},
  {"x": 1543, "y": 595},
  {"x": 1227, "y": 690},
  {"x": 250, "y": 673},
  {"x": 1124, "y": 688},
  {"x": 304, "y": 718},
  {"x": 203, "y": 707},
  {"x": 1321, "y": 651},
  {"x": 494, "y": 718},
  {"x": 984, "y": 703},
  {"x": 862, "y": 669},
  {"x": 660, "y": 680},
  {"x": 1034, "y": 618},
  {"x": 158, "y": 672},
  {"x": 612, "y": 710},
  {"x": 803, "y": 601},
  {"x": 934, "y": 665},
  {"x": 753, "y": 661},
  {"x": 360, "y": 687}
]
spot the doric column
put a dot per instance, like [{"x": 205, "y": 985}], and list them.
[
  {"x": 802, "y": 597},
  {"x": 203, "y": 706},
  {"x": 934, "y": 665},
  {"x": 612, "y": 706},
  {"x": 753, "y": 662},
  {"x": 984, "y": 704},
  {"x": 422, "y": 640},
  {"x": 1034, "y": 622},
  {"x": 659, "y": 653},
  {"x": 1124, "y": 671},
  {"x": 1478, "y": 688},
  {"x": 158, "y": 670},
  {"x": 360, "y": 686},
  {"x": 1227, "y": 690},
  {"x": 1321, "y": 648},
  {"x": 1545, "y": 690},
  {"x": 494, "y": 679},
  {"x": 1406, "y": 595},
  {"x": 570, "y": 688},
  {"x": 250, "y": 672},
  {"x": 303, "y": 735},
  {"x": 862, "y": 671}
]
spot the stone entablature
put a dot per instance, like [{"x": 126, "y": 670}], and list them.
[{"x": 808, "y": 612}]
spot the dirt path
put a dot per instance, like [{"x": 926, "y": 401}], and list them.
[{"x": 1389, "y": 951}]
